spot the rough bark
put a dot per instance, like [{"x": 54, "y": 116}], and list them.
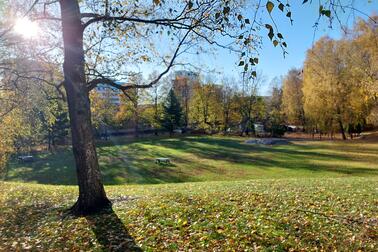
[{"x": 92, "y": 197}]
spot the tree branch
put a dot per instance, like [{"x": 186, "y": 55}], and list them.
[
  {"x": 175, "y": 22},
  {"x": 126, "y": 86}
]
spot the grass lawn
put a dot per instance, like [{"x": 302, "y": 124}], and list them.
[
  {"x": 305, "y": 196},
  {"x": 298, "y": 214},
  {"x": 206, "y": 159}
]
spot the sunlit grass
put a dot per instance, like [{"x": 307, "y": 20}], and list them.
[
  {"x": 305, "y": 196},
  {"x": 301, "y": 214},
  {"x": 207, "y": 159}
]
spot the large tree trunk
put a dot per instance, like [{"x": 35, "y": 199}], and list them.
[{"x": 92, "y": 197}]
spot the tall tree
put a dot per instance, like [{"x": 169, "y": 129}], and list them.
[
  {"x": 92, "y": 195},
  {"x": 55, "y": 122},
  {"x": 104, "y": 109},
  {"x": 249, "y": 104},
  {"x": 129, "y": 113},
  {"x": 275, "y": 118},
  {"x": 206, "y": 103},
  {"x": 333, "y": 92},
  {"x": 172, "y": 113},
  {"x": 226, "y": 100},
  {"x": 292, "y": 97}
]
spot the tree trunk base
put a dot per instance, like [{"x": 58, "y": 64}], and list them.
[{"x": 83, "y": 208}]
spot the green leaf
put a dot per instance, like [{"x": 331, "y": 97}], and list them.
[
  {"x": 281, "y": 6},
  {"x": 217, "y": 15},
  {"x": 241, "y": 63},
  {"x": 246, "y": 67},
  {"x": 269, "y": 6},
  {"x": 246, "y": 21},
  {"x": 190, "y": 5},
  {"x": 254, "y": 74},
  {"x": 284, "y": 44},
  {"x": 256, "y": 60},
  {"x": 279, "y": 35},
  {"x": 240, "y": 17},
  {"x": 288, "y": 14}
]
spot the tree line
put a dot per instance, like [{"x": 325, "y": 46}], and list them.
[
  {"x": 198, "y": 106},
  {"x": 336, "y": 90}
]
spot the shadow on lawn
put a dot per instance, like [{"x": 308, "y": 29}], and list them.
[
  {"x": 111, "y": 233},
  {"x": 193, "y": 157},
  {"x": 26, "y": 221},
  {"x": 291, "y": 156}
]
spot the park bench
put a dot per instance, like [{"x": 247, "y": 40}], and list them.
[
  {"x": 25, "y": 159},
  {"x": 162, "y": 161}
]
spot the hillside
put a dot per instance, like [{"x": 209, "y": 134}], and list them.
[
  {"x": 205, "y": 159},
  {"x": 283, "y": 214}
]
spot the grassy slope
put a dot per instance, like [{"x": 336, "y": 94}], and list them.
[
  {"x": 273, "y": 214},
  {"x": 207, "y": 159},
  {"x": 330, "y": 201}
]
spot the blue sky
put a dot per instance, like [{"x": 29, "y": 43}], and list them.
[{"x": 299, "y": 37}]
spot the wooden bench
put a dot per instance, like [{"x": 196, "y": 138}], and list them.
[{"x": 162, "y": 161}]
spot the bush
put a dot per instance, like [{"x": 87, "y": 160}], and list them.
[{"x": 278, "y": 130}]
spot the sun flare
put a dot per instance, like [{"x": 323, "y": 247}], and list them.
[{"x": 26, "y": 28}]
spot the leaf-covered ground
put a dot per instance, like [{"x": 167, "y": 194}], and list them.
[
  {"x": 302, "y": 214},
  {"x": 206, "y": 159}
]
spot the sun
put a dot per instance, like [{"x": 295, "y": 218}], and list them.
[{"x": 26, "y": 28}]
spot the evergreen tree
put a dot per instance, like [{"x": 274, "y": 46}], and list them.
[
  {"x": 172, "y": 113},
  {"x": 55, "y": 123},
  {"x": 59, "y": 130}
]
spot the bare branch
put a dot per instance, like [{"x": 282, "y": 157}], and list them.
[
  {"x": 126, "y": 86},
  {"x": 175, "y": 22}
]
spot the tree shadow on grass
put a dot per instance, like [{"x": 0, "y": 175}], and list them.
[
  {"x": 111, "y": 233},
  {"x": 214, "y": 158},
  {"x": 22, "y": 223}
]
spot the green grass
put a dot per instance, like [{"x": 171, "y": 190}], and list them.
[
  {"x": 206, "y": 159},
  {"x": 305, "y": 196},
  {"x": 298, "y": 214}
]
